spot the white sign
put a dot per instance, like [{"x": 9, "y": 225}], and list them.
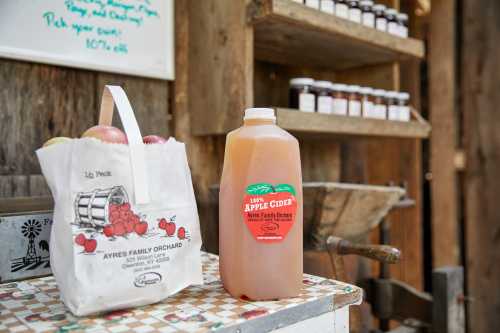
[{"x": 124, "y": 36}]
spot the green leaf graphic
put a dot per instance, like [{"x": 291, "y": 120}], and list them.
[
  {"x": 284, "y": 188},
  {"x": 259, "y": 189}
]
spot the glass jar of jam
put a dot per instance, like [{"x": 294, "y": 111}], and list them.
[
  {"x": 380, "y": 20},
  {"x": 366, "y": 101},
  {"x": 392, "y": 21},
  {"x": 403, "y": 101},
  {"x": 342, "y": 9},
  {"x": 354, "y": 11},
  {"x": 367, "y": 14},
  {"x": 403, "y": 25},
  {"x": 327, "y": 6},
  {"x": 339, "y": 102},
  {"x": 323, "y": 92},
  {"x": 379, "y": 104},
  {"x": 391, "y": 99},
  {"x": 301, "y": 94},
  {"x": 312, "y": 3},
  {"x": 354, "y": 101}
]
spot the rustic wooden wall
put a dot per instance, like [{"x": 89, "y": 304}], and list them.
[
  {"x": 481, "y": 99},
  {"x": 38, "y": 102}
]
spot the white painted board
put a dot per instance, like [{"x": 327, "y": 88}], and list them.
[{"x": 133, "y": 37}]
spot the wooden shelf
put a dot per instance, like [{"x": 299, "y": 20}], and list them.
[
  {"x": 289, "y": 33},
  {"x": 316, "y": 123}
]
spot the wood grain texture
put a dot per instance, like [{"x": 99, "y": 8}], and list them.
[
  {"x": 480, "y": 82},
  {"x": 284, "y": 29},
  {"x": 38, "y": 102},
  {"x": 443, "y": 116},
  {"x": 316, "y": 123},
  {"x": 205, "y": 154},
  {"x": 221, "y": 65}
]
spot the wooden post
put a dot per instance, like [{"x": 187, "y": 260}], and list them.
[
  {"x": 448, "y": 305},
  {"x": 443, "y": 117},
  {"x": 481, "y": 100}
]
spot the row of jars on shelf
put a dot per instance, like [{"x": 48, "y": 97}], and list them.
[
  {"x": 326, "y": 97},
  {"x": 364, "y": 12}
]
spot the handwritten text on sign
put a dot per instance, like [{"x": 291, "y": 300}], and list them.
[{"x": 129, "y": 36}]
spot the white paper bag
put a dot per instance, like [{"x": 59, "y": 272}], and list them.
[{"x": 126, "y": 229}]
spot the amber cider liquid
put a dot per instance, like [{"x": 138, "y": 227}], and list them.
[{"x": 259, "y": 152}]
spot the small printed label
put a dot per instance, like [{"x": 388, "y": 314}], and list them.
[
  {"x": 393, "y": 28},
  {"x": 403, "y": 31},
  {"x": 404, "y": 113},
  {"x": 367, "y": 109},
  {"x": 381, "y": 24},
  {"x": 325, "y": 104},
  {"x": 306, "y": 102},
  {"x": 393, "y": 113},
  {"x": 368, "y": 19},
  {"x": 312, "y": 3},
  {"x": 355, "y": 108},
  {"x": 147, "y": 279},
  {"x": 328, "y": 6},
  {"x": 380, "y": 111},
  {"x": 342, "y": 10},
  {"x": 355, "y": 15},
  {"x": 269, "y": 211},
  {"x": 339, "y": 106}
]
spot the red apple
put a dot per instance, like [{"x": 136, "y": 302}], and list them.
[
  {"x": 80, "y": 239},
  {"x": 150, "y": 139},
  {"x": 119, "y": 229},
  {"x": 106, "y": 133},
  {"x": 108, "y": 231},
  {"x": 90, "y": 245},
  {"x": 170, "y": 229},
  {"x": 181, "y": 233},
  {"x": 56, "y": 140},
  {"x": 141, "y": 228}
]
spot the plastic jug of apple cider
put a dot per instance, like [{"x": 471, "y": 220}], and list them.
[{"x": 260, "y": 210}]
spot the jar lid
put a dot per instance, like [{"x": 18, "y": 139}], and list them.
[
  {"x": 391, "y": 11},
  {"x": 339, "y": 87},
  {"x": 366, "y": 90},
  {"x": 404, "y": 96},
  {"x": 353, "y": 89},
  {"x": 379, "y": 7},
  {"x": 323, "y": 84},
  {"x": 366, "y": 3},
  {"x": 403, "y": 16},
  {"x": 391, "y": 94},
  {"x": 259, "y": 113},
  {"x": 301, "y": 81},
  {"x": 379, "y": 92}
]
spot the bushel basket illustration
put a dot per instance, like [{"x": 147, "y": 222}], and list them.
[{"x": 92, "y": 208}]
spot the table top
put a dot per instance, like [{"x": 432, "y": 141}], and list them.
[{"x": 34, "y": 306}]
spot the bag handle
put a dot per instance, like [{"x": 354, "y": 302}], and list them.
[{"x": 115, "y": 95}]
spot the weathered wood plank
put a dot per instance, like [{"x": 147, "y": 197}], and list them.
[
  {"x": 221, "y": 65},
  {"x": 448, "y": 300},
  {"x": 38, "y": 102},
  {"x": 316, "y": 123},
  {"x": 205, "y": 154},
  {"x": 480, "y": 62},
  {"x": 443, "y": 117},
  {"x": 13, "y": 186}
]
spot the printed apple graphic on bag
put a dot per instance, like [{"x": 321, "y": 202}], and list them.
[{"x": 269, "y": 211}]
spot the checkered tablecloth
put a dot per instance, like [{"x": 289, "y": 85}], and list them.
[{"x": 34, "y": 306}]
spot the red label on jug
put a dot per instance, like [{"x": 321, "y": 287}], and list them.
[{"x": 269, "y": 211}]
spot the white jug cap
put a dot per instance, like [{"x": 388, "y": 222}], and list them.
[{"x": 259, "y": 113}]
